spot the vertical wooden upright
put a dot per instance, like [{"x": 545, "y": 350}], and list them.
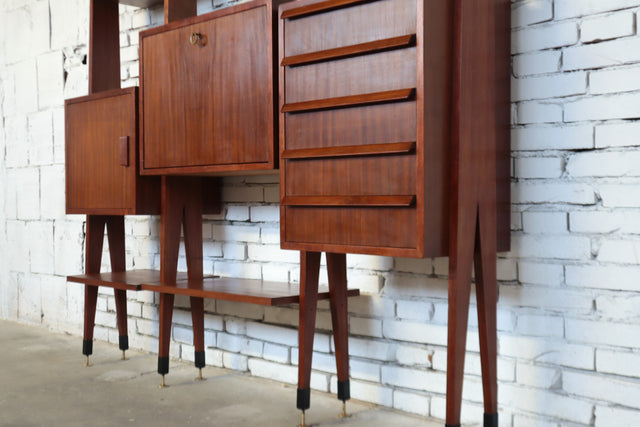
[
  {"x": 104, "y": 74},
  {"x": 477, "y": 141}
]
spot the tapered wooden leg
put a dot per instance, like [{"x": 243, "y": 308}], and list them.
[
  {"x": 93, "y": 258},
  {"x": 166, "y": 315},
  {"x": 337, "y": 271},
  {"x": 197, "y": 319},
  {"x": 309, "y": 275},
  {"x": 115, "y": 234},
  {"x": 171, "y": 220},
  {"x": 460, "y": 262},
  {"x": 487, "y": 294}
]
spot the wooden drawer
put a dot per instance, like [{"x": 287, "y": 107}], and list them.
[
  {"x": 102, "y": 157},
  {"x": 364, "y": 126},
  {"x": 207, "y": 93}
]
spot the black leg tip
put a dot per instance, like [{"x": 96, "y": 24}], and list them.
[
  {"x": 452, "y": 425},
  {"x": 344, "y": 390},
  {"x": 124, "y": 342},
  {"x": 304, "y": 398},
  {"x": 87, "y": 347},
  {"x": 163, "y": 365},
  {"x": 199, "y": 359},
  {"x": 491, "y": 420}
]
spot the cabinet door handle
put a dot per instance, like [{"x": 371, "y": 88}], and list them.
[{"x": 124, "y": 151}]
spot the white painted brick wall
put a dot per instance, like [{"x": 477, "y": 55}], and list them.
[{"x": 569, "y": 292}]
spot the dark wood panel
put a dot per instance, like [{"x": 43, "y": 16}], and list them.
[
  {"x": 239, "y": 290},
  {"x": 354, "y": 227},
  {"x": 175, "y": 10},
  {"x": 141, "y": 3},
  {"x": 353, "y": 50},
  {"x": 129, "y": 280},
  {"x": 353, "y": 176},
  {"x": 104, "y": 46},
  {"x": 379, "y": 72},
  {"x": 319, "y": 7},
  {"x": 349, "y": 101},
  {"x": 209, "y": 103},
  {"x": 364, "y": 125},
  {"x": 350, "y": 151},
  {"x": 361, "y": 22}
]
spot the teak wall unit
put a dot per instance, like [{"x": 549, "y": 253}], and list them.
[{"x": 394, "y": 119}]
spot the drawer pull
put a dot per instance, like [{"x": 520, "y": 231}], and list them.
[
  {"x": 350, "y": 101},
  {"x": 325, "y": 6},
  {"x": 350, "y": 151},
  {"x": 197, "y": 39},
  {"x": 362, "y": 201},
  {"x": 124, "y": 151}
]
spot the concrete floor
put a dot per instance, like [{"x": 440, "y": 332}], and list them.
[{"x": 43, "y": 383}]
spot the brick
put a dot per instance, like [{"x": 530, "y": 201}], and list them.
[
  {"x": 276, "y": 353},
  {"x": 265, "y": 213},
  {"x": 598, "y": 55},
  {"x": 620, "y": 306},
  {"x": 411, "y": 402},
  {"x": 619, "y": 251},
  {"x": 30, "y": 299},
  {"x": 544, "y": 37},
  {"x": 270, "y": 236},
  {"x": 69, "y": 241},
  {"x": 538, "y": 376},
  {"x": 608, "y": 416},
  {"x": 26, "y": 92},
  {"x": 531, "y": 12},
  {"x": 40, "y": 129},
  {"x": 234, "y": 251},
  {"x": 237, "y": 213},
  {"x": 554, "y": 404},
  {"x": 604, "y": 222},
  {"x": 470, "y": 413},
  {"x": 607, "y": 164},
  {"x": 240, "y": 344},
  {"x": 602, "y": 388},
  {"x": 242, "y": 194},
  {"x": 414, "y": 265},
  {"x": 602, "y": 333},
  {"x": 365, "y": 281},
  {"x": 532, "y": 421},
  {"x": 9, "y": 302},
  {"x": 552, "y": 138},
  {"x": 551, "y": 247},
  {"x": 370, "y": 262},
  {"x": 572, "y": 9},
  {"x": 540, "y": 326},
  {"x": 539, "y": 167},
  {"x": 274, "y": 334},
  {"x": 414, "y": 310},
  {"x": 236, "y": 362},
  {"x": 245, "y": 310},
  {"x": 242, "y": 270},
  {"x": 538, "y": 112},
  {"x": 371, "y": 392},
  {"x": 619, "y": 195},
  {"x": 140, "y": 18},
  {"x": 621, "y": 278},
  {"x": 415, "y": 332},
  {"x": 617, "y": 362},
  {"x": 236, "y": 233},
  {"x": 50, "y": 79},
  {"x": 614, "y": 81},
  {"x": 282, "y": 315},
  {"x": 618, "y": 134},
  {"x": 366, "y": 327},
  {"x": 624, "y": 106},
  {"x": 533, "y": 63},
  {"x": 548, "y": 86},
  {"x": 17, "y": 145},
  {"x": 607, "y": 27},
  {"x": 544, "y": 222},
  {"x": 507, "y": 269},
  {"x": 544, "y": 192},
  {"x": 414, "y": 356},
  {"x": 364, "y": 370},
  {"x": 371, "y": 305},
  {"x": 370, "y": 349},
  {"x": 556, "y": 352},
  {"x": 274, "y": 371},
  {"x": 276, "y": 273},
  {"x": 404, "y": 286},
  {"x": 40, "y": 238},
  {"x": 69, "y": 23},
  {"x": 543, "y": 297},
  {"x": 272, "y": 253}
]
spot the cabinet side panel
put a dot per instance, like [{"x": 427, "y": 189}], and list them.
[{"x": 434, "y": 124}]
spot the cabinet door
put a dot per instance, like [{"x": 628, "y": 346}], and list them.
[
  {"x": 208, "y": 99},
  {"x": 100, "y": 153}
]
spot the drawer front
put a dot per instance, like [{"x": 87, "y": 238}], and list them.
[
  {"x": 350, "y": 26},
  {"x": 101, "y": 153},
  {"x": 209, "y": 103},
  {"x": 361, "y": 229}
]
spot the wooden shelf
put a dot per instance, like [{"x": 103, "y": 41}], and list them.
[
  {"x": 349, "y": 151},
  {"x": 222, "y": 288},
  {"x": 351, "y": 201},
  {"x": 141, "y": 3},
  {"x": 324, "y": 6},
  {"x": 353, "y": 50},
  {"x": 129, "y": 280},
  {"x": 350, "y": 101}
]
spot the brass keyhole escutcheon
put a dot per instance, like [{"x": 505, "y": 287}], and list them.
[{"x": 195, "y": 38}]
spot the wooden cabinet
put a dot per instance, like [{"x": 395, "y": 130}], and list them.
[
  {"x": 365, "y": 118},
  {"x": 208, "y": 93},
  {"x": 102, "y": 157}
]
